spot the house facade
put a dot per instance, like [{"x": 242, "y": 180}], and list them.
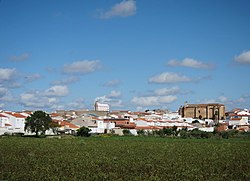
[{"x": 203, "y": 111}]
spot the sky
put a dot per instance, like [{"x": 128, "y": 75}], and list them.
[{"x": 133, "y": 55}]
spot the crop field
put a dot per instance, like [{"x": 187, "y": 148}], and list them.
[{"x": 124, "y": 158}]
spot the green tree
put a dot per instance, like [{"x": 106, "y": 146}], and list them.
[
  {"x": 126, "y": 132},
  {"x": 141, "y": 132},
  {"x": 38, "y": 122},
  {"x": 168, "y": 131},
  {"x": 54, "y": 126},
  {"x": 83, "y": 131}
]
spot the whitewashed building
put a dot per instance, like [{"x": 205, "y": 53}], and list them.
[
  {"x": 16, "y": 122},
  {"x": 101, "y": 106}
]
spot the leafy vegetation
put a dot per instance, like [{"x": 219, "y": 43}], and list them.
[
  {"x": 124, "y": 158},
  {"x": 126, "y": 132},
  {"x": 195, "y": 133},
  {"x": 39, "y": 122},
  {"x": 83, "y": 131}
]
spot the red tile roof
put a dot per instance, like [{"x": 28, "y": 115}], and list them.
[
  {"x": 67, "y": 124},
  {"x": 3, "y": 116},
  {"x": 17, "y": 115}
]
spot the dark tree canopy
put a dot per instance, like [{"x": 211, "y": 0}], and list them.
[
  {"x": 83, "y": 131},
  {"x": 38, "y": 122}
]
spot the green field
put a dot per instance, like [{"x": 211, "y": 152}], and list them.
[{"x": 124, "y": 158}]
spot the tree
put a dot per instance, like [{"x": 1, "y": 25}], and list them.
[
  {"x": 168, "y": 131},
  {"x": 38, "y": 122},
  {"x": 141, "y": 132},
  {"x": 83, "y": 131},
  {"x": 195, "y": 121},
  {"x": 126, "y": 132},
  {"x": 54, "y": 126}
]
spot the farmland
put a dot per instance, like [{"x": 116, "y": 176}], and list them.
[{"x": 124, "y": 158}]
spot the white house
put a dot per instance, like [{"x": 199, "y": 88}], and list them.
[
  {"x": 5, "y": 126},
  {"x": 239, "y": 118},
  {"x": 16, "y": 121},
  {"x": 98, "y": 127}
]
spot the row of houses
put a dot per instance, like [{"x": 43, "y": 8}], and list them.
[{"x": 114, "y": 122}]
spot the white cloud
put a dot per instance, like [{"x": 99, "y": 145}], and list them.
[
  {"x": 114, "y": 94},
  {"x": 76, "y": 104},
  {"x": 69, "y": 80},
  {"x": 21, "y": 57},
  {"x": 6, "y": 74},
  {"x": 167, "y": 91},
  {"x": 189, "y": 62},
  {"x": 169, "y": 77},
  {"x": 32, "y": 77},
  {"x": 5, "y": 95},
  {"x": 222, "y": 99},
  {"x": 122, "y": 9},
  {"x": 3, "y": 91},
  {"x": 153, "y": 100},
  {"x": 244, "y": 57},
  {"x": 82, "y": 66},
  {"x": 2, "y": 105},
  {"x": 112, "y": 99},
  {"x": 57, "y": 90},
  {"x": 111, "y": 83},
  {"x": 37, "y": 100},
  {"x": 48, "y": 99}
]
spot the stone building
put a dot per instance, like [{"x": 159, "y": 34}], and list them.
[
  {"x": 203, "y": 111},
  {"x": 101, "y": 107}
]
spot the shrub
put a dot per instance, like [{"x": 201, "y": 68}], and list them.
[
  {"x": 141, "y": 132},
  {"x": 167, "y": 131},
  {"x": 83, "y": 131},
  {"x": 225, "y": 134},
  {"x": 126, "y": 132},
  {"x": 184, "y": 134}
]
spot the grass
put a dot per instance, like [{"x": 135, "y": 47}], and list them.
[{"x": 124, "y": 158}]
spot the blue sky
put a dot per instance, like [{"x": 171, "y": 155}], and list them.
[{"x": 136, "y": 55}]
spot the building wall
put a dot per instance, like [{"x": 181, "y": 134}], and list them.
[
  {"x": 101, "y": 107},
  {"x": 203, "y": 111}
]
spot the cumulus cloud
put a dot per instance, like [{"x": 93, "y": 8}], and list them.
[
  {"x": 76, "y": 104},
  {"x": 5, "y": 95},
  {"x": 241, "y": 102},
  {"x": 243, "y": 58},
  {"x": 189, "y": 62},
  {"x": 113, "y": 99},
  {"x": 3, "y": 91},
  {"x": 153, "y": 100},
  {"x": 21, "y": 57},
  {"x": 37, "y": 101},
  {"x": 123, "y": 9},
  {"x": 114, "y": 94},
  {"x": 111, "y": 83},
  {"x": 32, "y": 77},
  {"x": 167, "y": 91},
  {"x": 169, "y": 77},
  {"x": 82, "y": 67},
  {"x": 6, "y": 74},
  {"x": 2, "y": 105},
  {"x": 69, "y": 80},
  {"x": 57, "y": 90}
]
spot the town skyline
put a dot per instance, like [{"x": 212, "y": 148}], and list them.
[{"x": 132, "y": 55}]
